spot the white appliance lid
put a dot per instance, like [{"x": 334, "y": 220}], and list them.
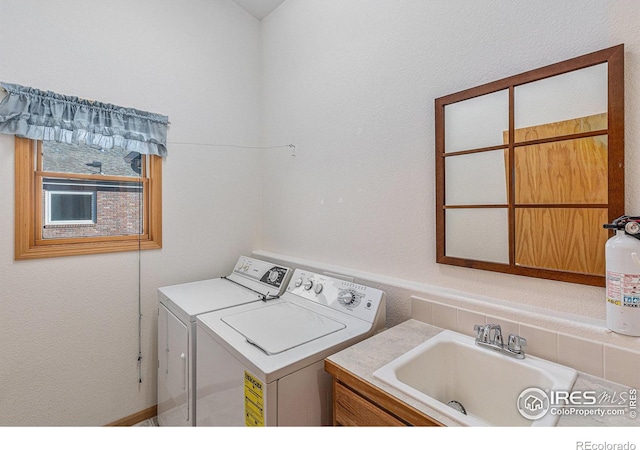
[
  {"x": 208, "y": 295},
  {"x": 282, "y": 326}
]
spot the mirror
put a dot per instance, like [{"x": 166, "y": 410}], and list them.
[{"x": 530, "y": 167}]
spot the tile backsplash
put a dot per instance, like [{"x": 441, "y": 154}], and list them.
[{"x": 595, "y": 358}]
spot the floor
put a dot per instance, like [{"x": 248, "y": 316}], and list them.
[{"x": 153, "y": 422}]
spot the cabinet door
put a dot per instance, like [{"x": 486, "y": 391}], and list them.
[
  {"x": 173, "y": 369},
  {"x": 350, "y": 409}
]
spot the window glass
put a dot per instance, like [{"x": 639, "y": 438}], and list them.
[
  {"x": 76, "y": 208},
  {"x": 70, "y": 207},
  {"x": 84, "y": 159},
  {"x": 101, "y": 203}
]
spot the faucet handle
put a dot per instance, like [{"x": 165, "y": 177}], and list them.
[
  {"x": 515, "y": 343},
  {"x": 480, "y": 330},
  {"x": 497, "y": 335}
]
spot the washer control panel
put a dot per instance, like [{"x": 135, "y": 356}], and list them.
[{"x": 352, "y": 298}]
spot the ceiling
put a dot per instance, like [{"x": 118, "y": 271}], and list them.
[{"x": 259, "y": 8}]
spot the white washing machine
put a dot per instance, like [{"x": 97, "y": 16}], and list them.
[
  {"x": 262, "y": 364},
  {"x": 252, "y": 280}
]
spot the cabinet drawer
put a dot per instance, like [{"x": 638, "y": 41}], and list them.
[{"x": 350, "y": 409}]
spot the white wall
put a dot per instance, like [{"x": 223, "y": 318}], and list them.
[
  {"x": 69, "y": 326},
  {"x": 352, "y": 84}
]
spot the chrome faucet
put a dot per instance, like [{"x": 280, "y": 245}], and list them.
[{"x": 490, "y": 336}]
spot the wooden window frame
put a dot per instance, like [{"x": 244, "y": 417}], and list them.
[
  {"x": 614, "y": 56},
  {"x": 28, "y": 211}
]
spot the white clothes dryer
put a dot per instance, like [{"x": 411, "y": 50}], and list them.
[
  {"x": 262, "y": 364},
  {"x": 252, "y": 280}
]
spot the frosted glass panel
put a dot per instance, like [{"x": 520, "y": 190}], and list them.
[
  {"x": 478, "y": 233},
  {"x": 476, "y": 123},
  {"x": 476, "y": 179},
  {"x": 568, "y": 96}
]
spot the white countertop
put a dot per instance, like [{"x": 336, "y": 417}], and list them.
[{"x": 365, "y": 357}]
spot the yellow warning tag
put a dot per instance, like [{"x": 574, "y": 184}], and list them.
[{"x": 253, "y": 401}]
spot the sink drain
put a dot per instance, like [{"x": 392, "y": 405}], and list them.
[{"x": 457, "y": 406}]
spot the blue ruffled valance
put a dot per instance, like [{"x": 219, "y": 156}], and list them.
[{"x": 45, "y": 115}]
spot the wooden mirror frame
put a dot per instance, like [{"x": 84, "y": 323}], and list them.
[{"x": 614, "y": 57}]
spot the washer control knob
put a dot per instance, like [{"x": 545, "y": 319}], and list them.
[
  {"x": 318, "y": 288},
  {"x": 299, "y": 282},
  {"x": 308, "y": 285},
  {"x": 347, "y": 298}
]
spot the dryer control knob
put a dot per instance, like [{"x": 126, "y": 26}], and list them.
[
  {"x": 299, "y": 282},
  {"x": 318, "y": 288},
  {"x": 308, "y": 285},
  {"x": 273, "y": 276}
]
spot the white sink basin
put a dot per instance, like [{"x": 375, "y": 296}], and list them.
[{"x": 450, "y": 366}]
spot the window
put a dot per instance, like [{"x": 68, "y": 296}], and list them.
[
  {"x": 74, "y": 199},
  {"x": 70, "y": 208}
]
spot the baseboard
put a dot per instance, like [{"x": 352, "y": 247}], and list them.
[{"x": 135, "y": 418}]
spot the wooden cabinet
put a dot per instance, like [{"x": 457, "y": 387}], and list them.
[
  {"x": 357, "y": 402},
  {"x": 352, "y": 409}
]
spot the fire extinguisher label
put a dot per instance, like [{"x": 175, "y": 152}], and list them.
[
  {"x": 623, "y": 289},
  {"x": 631, "y": 302}
]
